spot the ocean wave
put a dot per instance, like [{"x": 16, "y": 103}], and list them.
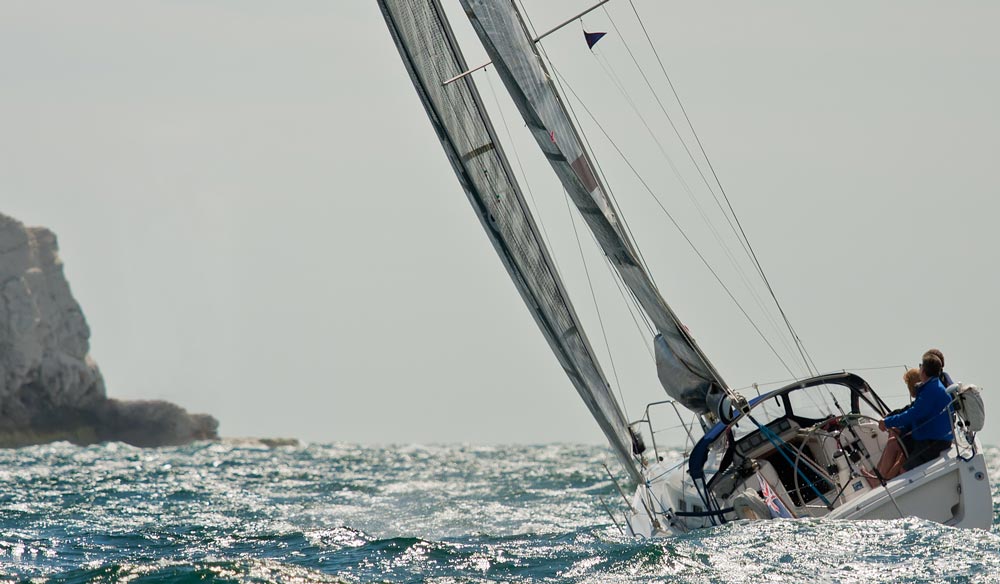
[{"x": 234, "y": 512}]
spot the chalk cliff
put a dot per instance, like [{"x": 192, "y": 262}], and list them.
[{"x": 50, "y": 388}]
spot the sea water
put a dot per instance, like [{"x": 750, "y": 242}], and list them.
[{"x": 243, "y": 512}]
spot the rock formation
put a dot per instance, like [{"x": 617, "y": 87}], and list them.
[{"x": 50, "y": 388}]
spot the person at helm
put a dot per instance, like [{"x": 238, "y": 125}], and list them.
[{"x": 925, "y": 427}]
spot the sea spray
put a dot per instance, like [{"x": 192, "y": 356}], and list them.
[{"x": 246, "y": 512}]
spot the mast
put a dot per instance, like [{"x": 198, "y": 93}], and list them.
[
  {"x": 431, "y": 55},
  {"x": 535, "y": 40},
  {"x": 682, "y": 367}
]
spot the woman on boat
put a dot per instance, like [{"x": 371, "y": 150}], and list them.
[
  {"x": 926, "y": 425},
  {"x": 893, "y": 456}
]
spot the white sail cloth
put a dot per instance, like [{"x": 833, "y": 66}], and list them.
[
  {"x": 431, "y": 55},
  {"x": 684, "y": 371}
]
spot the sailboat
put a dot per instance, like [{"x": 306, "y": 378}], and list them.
[{"x": 801, "y": 450}]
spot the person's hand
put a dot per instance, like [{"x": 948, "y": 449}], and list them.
[{"x": 881, "y": 425}]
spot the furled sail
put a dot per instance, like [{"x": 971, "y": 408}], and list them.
[
  {"x": 682, "y": 367},
  {"x": 428, "y": 48}
]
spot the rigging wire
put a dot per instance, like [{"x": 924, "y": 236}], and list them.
[
  {"x": 669, "y": 118},
  {"x": 546, "y": 240},
  {"x": 609, "y": 72},
  {"x": 627, "y": 236},
  {"x": 676, "y": 225},
  {"x": 588, "y": 147},
  {"x": 560, "y": 80},
  {"x": 632, "y": 303},
  {"x": 810, "y": 364},
  {"x": 738, "y": 267},
  {"x": 605, "y": 186},
  {"x": 904, "y": 367},
  {"x": 473, "y": 111},
  {"x": 531, "y": 28},
  {"x": 597, "y": 308},
  {"x": 642, "y": 260}
]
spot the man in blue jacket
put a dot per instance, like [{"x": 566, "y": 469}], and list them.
[
  {"x": 945, "y": 378},
  {"x": 926, "y": 425}
]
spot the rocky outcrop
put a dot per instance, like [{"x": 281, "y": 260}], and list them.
[{"x": 50, "y": 388}]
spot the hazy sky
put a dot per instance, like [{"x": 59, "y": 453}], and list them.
[{"x": 259, "y": 222}]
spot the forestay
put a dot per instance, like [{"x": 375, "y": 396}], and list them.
[
  {"x": 683, "y": 369},
  {"x": 428, "y": 48}
]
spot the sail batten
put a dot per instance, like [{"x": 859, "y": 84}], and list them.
[
  {"x": 683, "y": 369},
  {"x": 431, "y": 55}
]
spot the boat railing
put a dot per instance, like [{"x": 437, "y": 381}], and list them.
[
  {"x": 963, "y": 438},
  {"x": 648, "y": 422}
]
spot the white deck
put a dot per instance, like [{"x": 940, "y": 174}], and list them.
[{"x": 948, "y": 490}]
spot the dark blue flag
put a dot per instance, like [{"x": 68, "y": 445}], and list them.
[{"x": 593, "y": 37}]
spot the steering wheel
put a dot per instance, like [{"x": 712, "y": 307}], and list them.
[{"x": 800, "y": 457}]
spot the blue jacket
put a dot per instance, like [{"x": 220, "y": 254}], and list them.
[{"x": 929, "y": 418}]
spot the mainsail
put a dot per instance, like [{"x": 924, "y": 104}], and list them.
[
  {"x": 682, "y": 367},
  {"x": 428, "y": 48}
]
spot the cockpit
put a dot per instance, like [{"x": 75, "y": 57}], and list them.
[{"x": 806, "y": 440}]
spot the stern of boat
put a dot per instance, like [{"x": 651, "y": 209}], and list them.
[{"x": 950, "y": 490}]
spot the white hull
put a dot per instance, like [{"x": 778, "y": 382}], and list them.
[{"x": 948, "y": 490}]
